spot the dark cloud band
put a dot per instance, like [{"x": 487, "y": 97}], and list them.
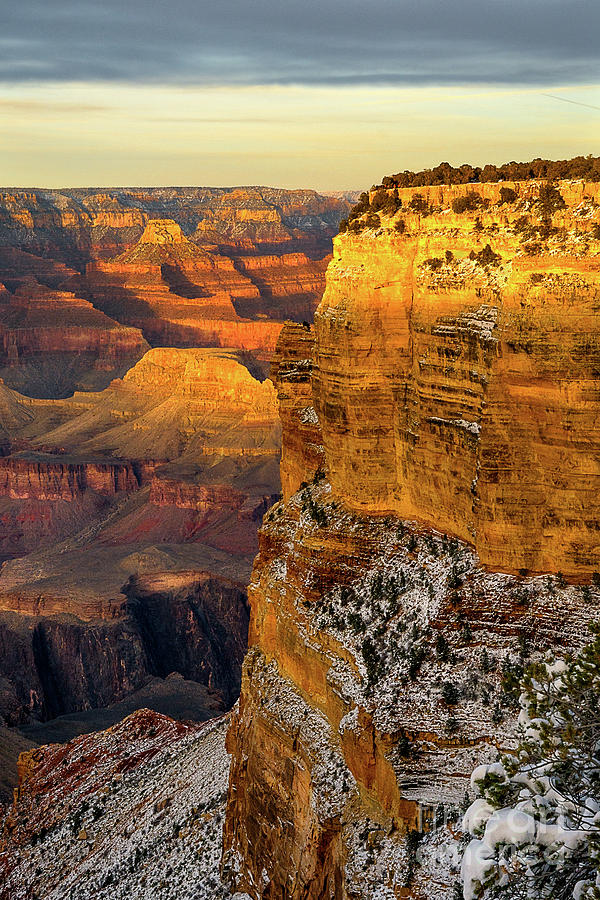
[{"x": 330, "y": 42}]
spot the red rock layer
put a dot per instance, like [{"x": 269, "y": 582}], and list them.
[
  {"x": 38, "y": 324},
  {"x": 34, "y": 478},
  {"x": 290, "y": 285},
  {"x": 177, "y": 293}
]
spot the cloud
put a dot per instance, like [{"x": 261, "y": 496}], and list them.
[
  {"x": 46, "y": 108},
  {"x": 313, "y": 42}
]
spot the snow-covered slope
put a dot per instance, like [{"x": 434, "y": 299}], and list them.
[{"x": 133, "y": 812}]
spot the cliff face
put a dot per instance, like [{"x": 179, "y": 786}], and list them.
[
  {"x": 302, "y": 453},
  {"x": 52, "y": 341},
  {"x": 290, "y": 285},
  {"x": 454, "y": 398},
  {"x": 27, "y": 477},
  {"x": 463, "y": 394},
  {"x": 192, "y": 623}
]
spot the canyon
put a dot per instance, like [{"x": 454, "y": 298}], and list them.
[
  {"x": 139, "y": 436},
  {"x": 90, "y": 279},
  {"x": 436, "y": 532},
  {"x": 128, "y": 525}
]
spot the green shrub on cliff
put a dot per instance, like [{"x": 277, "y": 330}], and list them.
[
  {"x": 585, "y": 167},
  {"x": 469, "y": 202}
]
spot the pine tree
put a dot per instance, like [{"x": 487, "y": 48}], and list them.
[{"x": 536, "y": 825}]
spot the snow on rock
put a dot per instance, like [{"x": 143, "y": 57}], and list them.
[{"x": 132, "y": 813}]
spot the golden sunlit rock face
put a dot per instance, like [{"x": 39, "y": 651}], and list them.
[
  {"x": 440, "y": 446},
  {"x": 465, "y": 395}
]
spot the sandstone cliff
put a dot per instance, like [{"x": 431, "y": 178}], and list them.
[{"x": 442, "y": 535}]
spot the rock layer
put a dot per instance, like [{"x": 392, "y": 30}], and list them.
[
  {"x": 177, "y": 293},
  {"x": 53, "y": 341},
  {"x": 463, "y": 394}
]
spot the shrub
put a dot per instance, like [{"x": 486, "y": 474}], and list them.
[
  {"x": 452, "y": 725},
  {"x": 400, "y": 226},
  {"x": 372, "y": 220},
  {"x": 416, "y": 657},
  {"x": 379, "y": 200},
  {"x": 507, "y": 195},
  {"x": 371, "y": 660},
  {"x": 442, "y": 648},
  {"x": 386, "y": 203},
  {"x": 419, "y": 205},
  {"x": 450, "y": 693},
  {"x": 469, "y": 202},
  {"x": 486, "y": 257},
  {"x": 586, "y": 167},
  {"x": 550, "y": 200},
  {"x": 359, "y": 208},
  {"x": 434, "y": 262}
]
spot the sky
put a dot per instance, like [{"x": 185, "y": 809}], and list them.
[{"x": 331, "y": 94}]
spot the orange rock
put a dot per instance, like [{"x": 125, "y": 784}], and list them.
[
  {"x": 452, "y": 395},
  {"x": 177, "y": 293}
]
